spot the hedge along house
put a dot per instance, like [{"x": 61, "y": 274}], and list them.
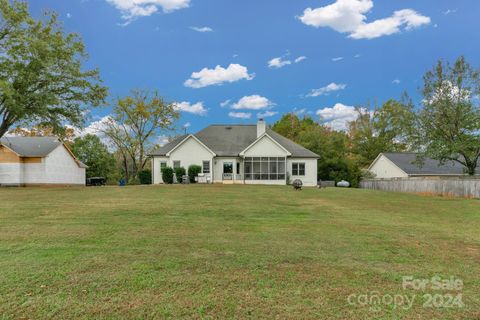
[
  {"x": 28, "y": 161},
  {"x": 244, "y": 154}
]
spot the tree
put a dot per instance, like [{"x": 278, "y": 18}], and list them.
[
  {"x": 67, "y": 135},
  {"x": 385, "y": 129},
  {"x": 41, "y": 76},
  {"x": 193, "y": 172},
  {"x": 447, "y": 128},
  {"x": 336, "y": 162},
  {"x": 136, "y": 120},
  {"x": 91, "y": 151}
]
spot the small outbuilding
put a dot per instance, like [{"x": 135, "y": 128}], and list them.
[
  {"x": 390, "y": 165},
  {"x": 30, "y": 161}
]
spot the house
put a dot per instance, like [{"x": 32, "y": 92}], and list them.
[
  {"x": 246, "y": 154},
  {"x": 27, "y": 161},
  {"x": 391, "y": 165}
]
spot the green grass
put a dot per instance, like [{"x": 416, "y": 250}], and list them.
[{"x": 229, "y": 252}]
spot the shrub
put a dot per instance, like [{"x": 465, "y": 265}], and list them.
[
  {"x": 179, "y": 173},
  {"x": 145, "y": 176},
  {"x": 193, "y": 171},
  {"x": 167, "y": 175}
]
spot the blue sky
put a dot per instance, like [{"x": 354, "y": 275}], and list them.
[{"x": 273, "y": 56}]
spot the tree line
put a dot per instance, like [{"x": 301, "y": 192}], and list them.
[
  {"x": 444, "y": 126},
  {"x": 44, "y": 87}
]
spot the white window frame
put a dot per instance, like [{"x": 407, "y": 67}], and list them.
[
  {"x": 163, "y": 164},
  {"x": 203, "y": 166},
  {"x": 179, "y": 164},
  {"x": 297, "y": 165}
]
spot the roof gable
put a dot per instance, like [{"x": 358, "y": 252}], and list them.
[
  {"x": 263, "y": 137},
  {"x": 186, "y": 139}
]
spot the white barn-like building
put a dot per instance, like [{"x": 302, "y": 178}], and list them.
[
  {"x": 396, "y": 165},
  {"x": 37, "y": 161},
  {"x": 244, "y": 154}
]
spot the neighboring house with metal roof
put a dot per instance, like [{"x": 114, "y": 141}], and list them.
[
  {"x": 390, "y": 165},
  {"x": 26, "y": 161},
  {"x": 247, "y": 154}
]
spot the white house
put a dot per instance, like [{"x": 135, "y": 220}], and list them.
[
  {"x": 391, "y": 165},
  {"x": 246, "y": 154},
  {"x": 27, "y": 161}
]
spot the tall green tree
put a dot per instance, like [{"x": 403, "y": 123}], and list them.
[
  {"x": 41, "y": 74},
  {"x": 384, "y": 129},
  {"x": 448, "y": 125},
  {"x": 332, "y": 146},
  {"x": 136, "y": 120},
  {"x": 91, "y": 151}
]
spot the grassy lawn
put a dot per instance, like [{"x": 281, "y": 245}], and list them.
[{"x": 231, "y": 252}]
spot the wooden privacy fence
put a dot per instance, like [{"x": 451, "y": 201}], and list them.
[{"x": 458, "y": 187}]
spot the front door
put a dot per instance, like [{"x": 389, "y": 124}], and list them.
[{"x": 227, "y": 170}]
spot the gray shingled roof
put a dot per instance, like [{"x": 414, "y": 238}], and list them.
[
  {"x": 31, "y": 146},
  {"x": 230, "y": 140},
  {"x": 163, "y": 150},
  {"x": 406, "y": 162},
  {"x": 34, "y": 146}
]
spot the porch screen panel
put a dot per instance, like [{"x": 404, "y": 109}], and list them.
[{"x": 264, "y": 168}]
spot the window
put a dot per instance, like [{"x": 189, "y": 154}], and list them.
[
  {"x": 206, "y": 167},
  {"x": 238, "y": 167},
  {"x": 264, "y": 168},
  {"x": 298, "y": 169},
  {"x": 176, "y": 164},
  {"x": 163, "y": 164}
]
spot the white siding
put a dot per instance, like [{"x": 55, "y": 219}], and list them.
[
  {"x": 11, "y": 174},
  {"x": 218, "y": 168},
  {"x": 157, "y": 174},
  {"x": 35, "y": 173},
  {"x": 310, "y": 178},
  {"x": 61, "y": 168},
  {"x": 188, "y": 153},
  {"x": 265, "y": 147},
  {"x": 383, "y": 168}
]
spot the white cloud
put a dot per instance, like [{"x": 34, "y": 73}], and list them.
[
  {"x": 266, "y": 114},
  {"x": 337, "y": 59},
  {"x": 327, "y": 89},
  {"x": 299, "y": 112},
  {"x": 349, "y": 16},
  {"x": 132, "y": 9},
  {"x": 357, "y": 55},
  {"x": 196, "y": 108},
  {"x": 338, "y": 116},
  {"x": 447, "y": 90},
  {"x": 162, "y": 140},
  {"x": 449, "y": 11},
  {"x": 202, "y": 29},
  {"x": 225, "y": 103},
  {"x": 278, "y": 63},
  {"x": 187, "y": 125},
  {"x": 300, "y": 59},
  {"x": 253, "y": 102},
  {"x": 95, "y": 127},
  {"x": 396, "y": 81},
  {"x": 98, "y": 128},
  {"x": 209, "y": 77},
  {"x": 240, "y": 115},
  {"x": 69, "y": 15}
]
